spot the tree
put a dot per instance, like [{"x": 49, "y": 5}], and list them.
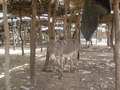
[{"x": 7, "y": 45}]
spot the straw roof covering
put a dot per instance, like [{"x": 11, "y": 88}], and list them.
[
  {"x": 102, "y": 9},
  {"x": 42, "y": 5}
]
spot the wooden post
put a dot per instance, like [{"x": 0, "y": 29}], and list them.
[
  {"x": 13, "y": 34},
  {"x": 20, "y": 29},
  {"x": 49, "y": 23},
  {"x": 51, "y": 30},
  {"x": 111, "y": 32},
  {"x": 77, "y": 32},
  {"x": 117, "y": 45},
  {"x": 24, "y": 37},
  {"x": 70, "y": 22},
  {"x": 32, "y": 42},
  {"x": 40, "y": 34},
  {"x": 54, "y": 18},
  {"x": 108, "y": 35},
  {"x": 96, "y": 37},
  {"x": 65, "y": 19},
  {"x": 7, "y": 45},
  {"x": 49, "y": 33},
  {"x": 79, "y": 35},
  {"x": 78, "y": 27}
]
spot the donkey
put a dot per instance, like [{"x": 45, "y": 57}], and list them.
[{"x": 61, "y": 49}]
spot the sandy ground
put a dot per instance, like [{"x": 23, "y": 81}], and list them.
[{"x": 95, "y": 71}]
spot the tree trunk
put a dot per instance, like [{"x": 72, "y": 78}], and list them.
[
  {"x": 117, "y": 45},
  {"x": 111, "y": 33},
  {"x": 96, "y": 37},
  {"x": 25, "y": 33},
  {"x": 51, "y": 30},
  {"x": 32, "y": 42},
  {"x": 20, "y": 29},
  {"x": 54, "y": 18},
  {"x": 50, "y": 35},
  {"x": 65, "y": 19},
  {"x": 13, "y": 35},
  {"x": 77, "y": 28},
  {"x": 7, "y": 45},
  {"x": 49, "y": 23},
  {"x": 70, "y": 21},
  {"x": 40, "y": 34},
  {"x": 108, "y": 35},
  {"x": 69, "y": 30}
]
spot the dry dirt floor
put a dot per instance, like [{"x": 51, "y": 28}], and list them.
[{"x": 95, "y": 71}]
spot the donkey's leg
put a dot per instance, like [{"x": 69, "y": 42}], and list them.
[
  {"x": 58, "y": 61},
  {"x": 66, "y": 61},
  {"x": 61, "y": 67},
  {"x": 71, "y": 64},
  {"x": 76, "y": 60}
]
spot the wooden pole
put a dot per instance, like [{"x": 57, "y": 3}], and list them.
[
  {"x": 54, "y": 18},
  {"x": 49, "y": 23},
  {"x": 13, "y": 34},
  {"x": 49, "y": 33},
  {"x": 78, "y": 28},
  {"x": 7, "y": 46},
  {"x": 65, "y": 19},
  {"x": 108, "y": 35},
  {"x": 117, "y": 45},
  {"x": 32, "y": 42},
  {"x": 20, "y": 29},
  {"x": 40, "y": 34},
  {"x": 111, "y": 33},
  {"x": 70, "y": 22},
  {"x": 96, "y": 37}
]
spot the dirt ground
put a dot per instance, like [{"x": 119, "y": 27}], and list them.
[{"x": 95, "y": 71}]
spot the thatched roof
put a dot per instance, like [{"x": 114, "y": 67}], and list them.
[
  {"x": 42, "y": 5},
  {"x": 14, "y": 7},
  {"x": 102, "y": 8}
]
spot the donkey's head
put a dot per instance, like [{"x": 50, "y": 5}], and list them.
[{"x": 52, "y": 47}]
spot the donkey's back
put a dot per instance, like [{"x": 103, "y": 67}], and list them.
[{"x": 69, "y": 47}]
